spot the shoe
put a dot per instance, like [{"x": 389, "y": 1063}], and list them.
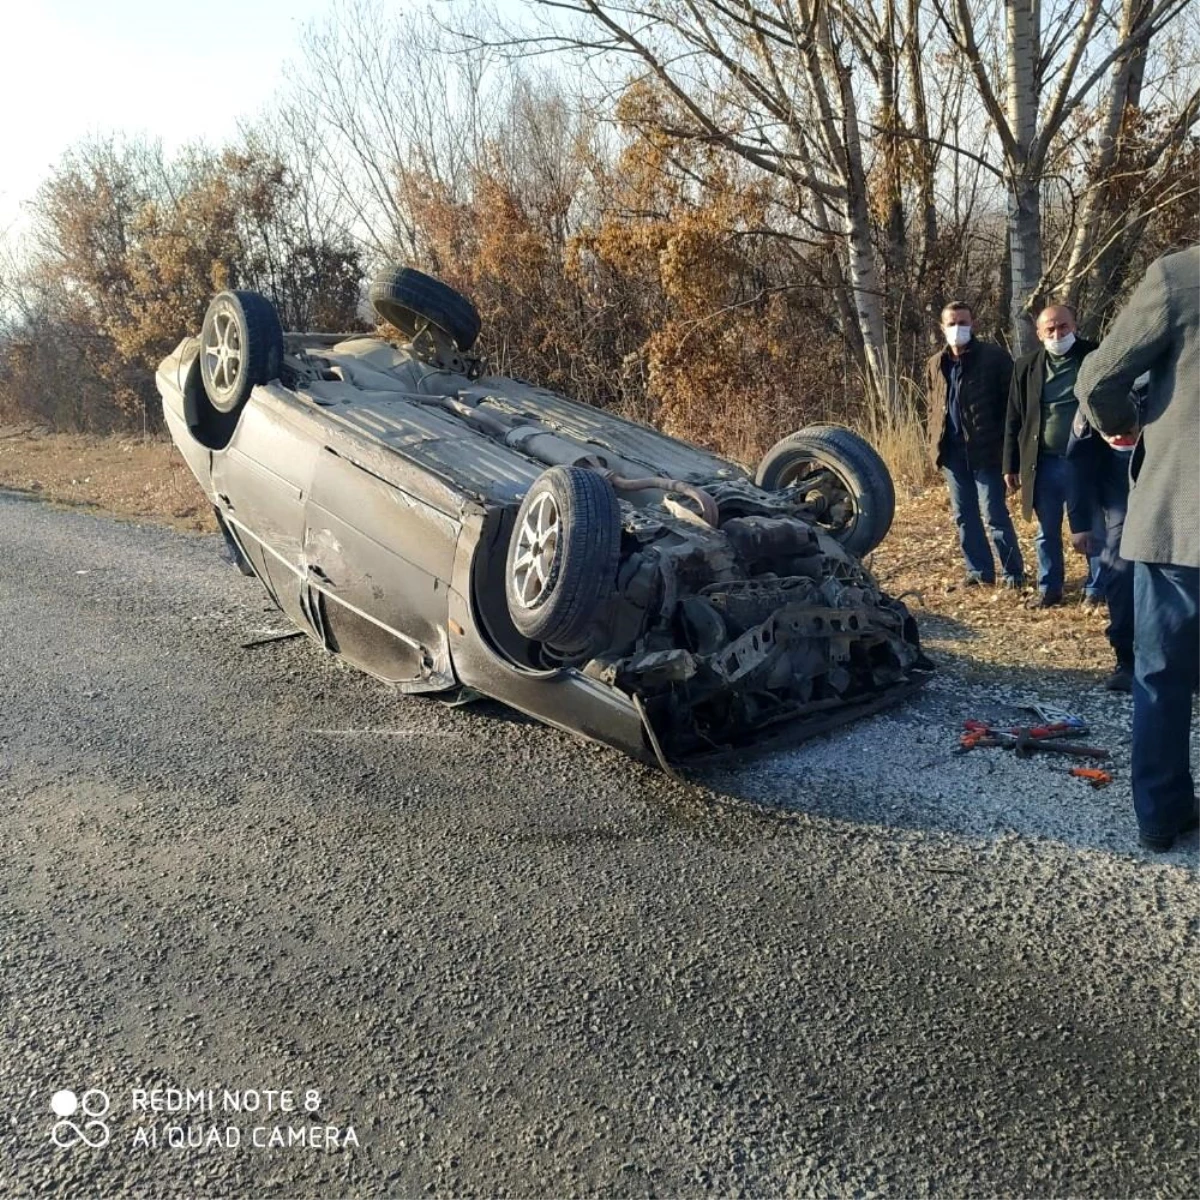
[
  {"x": 971, "y": 579},
  {"x": 1121, "y": 680},
  {"x": 1044, "y": 600},
  {"x": 1013, "y": 583},
  {"x": 1160, "y": 843},
  {"x": 1091, "y": 604}
]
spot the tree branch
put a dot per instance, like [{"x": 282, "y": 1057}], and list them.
[
  {"x": 1164, "y": 13},
  {"x": 964, "y": 38}
]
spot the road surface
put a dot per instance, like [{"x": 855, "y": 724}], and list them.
[{"x": 401, "y": 949}]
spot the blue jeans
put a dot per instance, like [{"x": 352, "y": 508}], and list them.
[
  {"x": 972, "y": 490},
  {"x": 1166, "y": 672},
  {"x": 1054, "y": 491},
  {"x": 1094, "y": 585}
]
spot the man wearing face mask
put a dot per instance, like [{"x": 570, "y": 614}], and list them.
[
  {"x": 1041, "y": 408},
  {"x": 968, "y": 396}
]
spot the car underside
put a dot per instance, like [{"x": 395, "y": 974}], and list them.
[{"x": 449, "y": 530}]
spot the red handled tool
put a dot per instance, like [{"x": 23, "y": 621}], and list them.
[{"x": 1093, "y": 775}]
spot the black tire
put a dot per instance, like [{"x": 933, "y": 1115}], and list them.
[
  {"x": 857, "y": 468},
  {"x": 558, "y": 603},
  {"x": 408, "y": 298},
  {"x": 247, "y": 326}
]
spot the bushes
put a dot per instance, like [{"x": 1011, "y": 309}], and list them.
[{"x": 125, "y": 252}]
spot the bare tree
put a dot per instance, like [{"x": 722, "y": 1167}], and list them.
[
  {"x": 1135, "y": 171},
  {"x": 378, "y": 104},
  {"x": 774, "y": 85},
  {"x": 1052, "y": 64}
]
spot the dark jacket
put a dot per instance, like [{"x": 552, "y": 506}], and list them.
[
  {"x": 1023, "y": 427},
  {"x": 1094, "y": 458},
  {"x": 1158, "y": 331},
  {"x": 983, "y": 398}
]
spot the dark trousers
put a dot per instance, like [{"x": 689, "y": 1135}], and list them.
[
  {"x": 1166, "y": 672},
  {"x": 1055, "y": 492},
  {"x": 1116, "y": 573},
  {"x": 975, "y": 491}
]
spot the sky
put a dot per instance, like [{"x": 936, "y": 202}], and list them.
[
  {"x": 179, "y": 72},
  {"x": 163, "y": 69}
]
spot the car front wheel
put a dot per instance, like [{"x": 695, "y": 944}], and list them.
[{"x": 562, "y": 556}]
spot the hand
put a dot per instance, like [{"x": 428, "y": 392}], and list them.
[
  {"x": 1012, "y": 482},
  {"x": 1122, "y": 441},
  {"x": 1081, "y": 543}
]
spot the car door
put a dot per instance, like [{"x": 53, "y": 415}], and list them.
[
  {"x": 261, "y": 480},
  {"x": 379, "y": 562}
]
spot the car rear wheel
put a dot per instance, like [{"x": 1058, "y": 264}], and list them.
[
  {"x": 408, "y": 299},
  {"x": 841, "y": 476},
  {"x": 241, "y": 346},
  {"x": 562, "y": 556}
]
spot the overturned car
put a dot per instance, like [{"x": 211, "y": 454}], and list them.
[{"x": 450, "y": 531}]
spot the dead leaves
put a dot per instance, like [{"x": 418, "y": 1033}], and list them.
[{"x": 921, "y": 556}]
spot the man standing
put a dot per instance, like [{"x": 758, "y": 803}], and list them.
[
  {"x": 1159, "y": 331},
  {"x": 968, "y": 395},
  {"x": 1041, "y": 407}
]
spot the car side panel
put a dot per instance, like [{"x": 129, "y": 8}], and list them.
[
  {"x": 566, "y": 699},
  {"x": 380, "y": 561},
  {"x": 260, "y": 481}
]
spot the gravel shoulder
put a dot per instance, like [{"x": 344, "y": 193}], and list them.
[{"x": 516, "y": 964}]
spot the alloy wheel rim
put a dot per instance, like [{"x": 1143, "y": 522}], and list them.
[
  {"x": 537, "y": 548},
  {"x": 223, "y": 352}
]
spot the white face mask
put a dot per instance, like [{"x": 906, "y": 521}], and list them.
[
  {"x": 1060, "y": 345},
  {"x": 957, "y": 335}
]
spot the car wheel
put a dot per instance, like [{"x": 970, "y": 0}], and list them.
[
  {"x": 241, "y": 346},
  {"x": 562, "y": 556},
  {"x": 842, "y": 476},
  {"x": 408, "y": 298}
]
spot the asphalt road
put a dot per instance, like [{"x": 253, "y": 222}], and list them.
[{"x": 515, "y": 964}]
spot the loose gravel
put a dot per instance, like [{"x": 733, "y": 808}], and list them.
[{"x": 516, "y": 964}]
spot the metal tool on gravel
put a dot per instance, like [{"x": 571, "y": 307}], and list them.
[
  {"x": 979, "y": 734},
  {"x": 1026, "y": 746},
  {"x": 1049, "y": 715}
]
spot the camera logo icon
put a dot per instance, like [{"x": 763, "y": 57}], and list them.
[{"x": 92, "y": 1107}]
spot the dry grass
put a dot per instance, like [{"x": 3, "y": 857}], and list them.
[
  {"x": 128, "y": 477},
  {"x": 903, "y": 445},
  {"x": 900, "y": 436},
  {"x": 919, "y": 560}
]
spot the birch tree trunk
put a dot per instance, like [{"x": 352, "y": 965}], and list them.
[
  {"x": 887, "y": 53},
  {"x": 865, "y": 283},
  {"x": 922, "y": 151},
  {"x": 1124, "y": 97},
  {"x": 1023, "y": 28},
  {"x": 867, "y": 290}
]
